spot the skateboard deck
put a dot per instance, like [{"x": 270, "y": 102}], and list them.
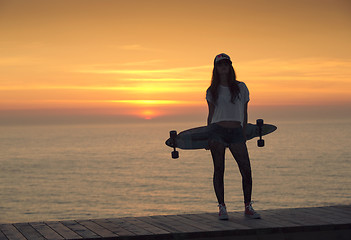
[{"x": 198, "y": 138}]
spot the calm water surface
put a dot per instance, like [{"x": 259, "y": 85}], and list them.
[{"x": 101, "y": 171}]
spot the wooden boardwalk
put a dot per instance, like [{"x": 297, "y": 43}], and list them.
[{"x": 332, "y": 222}]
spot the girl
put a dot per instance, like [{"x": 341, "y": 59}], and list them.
[{"x": 227, "y": 101}]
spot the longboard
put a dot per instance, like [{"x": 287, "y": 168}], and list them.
[{"x": 198, "y": 138}]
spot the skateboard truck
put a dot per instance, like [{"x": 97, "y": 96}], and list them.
[
  {"x": 173, "y": 136},
  {"x": 259, "y": 123}
]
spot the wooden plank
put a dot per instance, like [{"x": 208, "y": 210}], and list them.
[
  {"x": 273, "y": 218},
  {"x": 223, "y": 229},
  {"x": 211, "y": 225},
  {"x": 186, "y": 227},
  {"x": 312, "y": 218},
  {"x": 342, "y": 213},
  {"x": 284, "y": 215},
  {"x": 147, "y": 226},
  {"x": 301, "y": 217},
  {"x": 156, "y": 221},
  {"x": 318, "y": 216},
  {"x": 28, "y": 231},
  {"x": 115, "y": 228},
  {"x": 336, "y": 211},
  {"x": 2, "y": 236},
  {"x": 64, "y": 231},
  {"x": 239, "y": 218},
  {"x": 223, "y": 225},
  {"x": 332, "y": 215},
  {"x": 46, "y": 231},
  {"x": 321, "y": 215},
  {"x": 181, "y": 226},
  {"x": 344, "y": 207},
  {"x": 279, "y": 216},
  {"x": 11, "y": 232},
  {"x": 308, "y": 219},
  {"x": 192, "y": 222},
  {"x": 96, "y": 228},
  {"x": 80, "y": 230},
  {"x": 294, "y": 216},
  {"x": 121, "y": 222}
]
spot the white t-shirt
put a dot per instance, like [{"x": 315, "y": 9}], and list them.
[{"x": 225, "y": 110}]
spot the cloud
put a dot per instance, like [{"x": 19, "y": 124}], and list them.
[
  {"x": 139, "y": 88},
  {"x": 136, "y": 47},
  {"x": 19, "y": 61},
  {"x": 143, "y": 71},
  {"x": 164, "y": 79},
  {"x": 131, "y": 47},
  {"x": 143, "y": 63},
  {"x": 100, "y": 66},
  {"x": 157, "y": 102},
  {"x": 311, "y": 68}
]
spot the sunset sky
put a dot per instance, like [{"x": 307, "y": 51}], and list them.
[{"x": 154, "y": 58}]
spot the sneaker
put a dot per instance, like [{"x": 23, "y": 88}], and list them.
[
  {"x": 222, "y": 215},
  {"x": 250, "y": 212}
]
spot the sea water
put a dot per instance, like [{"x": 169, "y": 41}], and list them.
[{"x": 58, "y": 172}]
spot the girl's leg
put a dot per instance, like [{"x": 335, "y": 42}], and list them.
[
  {"x": 218, "y": 152},
  {"x": 241, "y": 155}
]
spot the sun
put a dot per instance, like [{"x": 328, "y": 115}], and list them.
[{"x": 148, "y": 114}]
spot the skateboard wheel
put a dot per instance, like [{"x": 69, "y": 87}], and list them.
[
  {"x": 259, "y": 122},
  {"x": 173, "y": 134},
  {"x": 260, "y": 143},
  {"x": 175, "y": 154}
]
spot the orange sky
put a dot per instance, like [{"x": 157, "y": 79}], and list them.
[{"x": 154, "y": 58}]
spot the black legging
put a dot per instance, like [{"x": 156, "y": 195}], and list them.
[{"x": 240, "y": 154}]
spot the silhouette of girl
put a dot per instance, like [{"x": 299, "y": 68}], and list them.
[{"x": 227, "y": 101}]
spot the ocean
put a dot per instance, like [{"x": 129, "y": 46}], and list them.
[{"x": 61, "y": 172}]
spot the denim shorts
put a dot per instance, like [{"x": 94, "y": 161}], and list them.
[{"x": 225, "y": 135}]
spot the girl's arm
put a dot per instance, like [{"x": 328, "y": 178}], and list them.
[
  {"x": 211, "y": 108},
  {"x": 245, "y": 119}
]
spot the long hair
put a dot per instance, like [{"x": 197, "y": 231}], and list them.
[{"x": 232, "y": 84}]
